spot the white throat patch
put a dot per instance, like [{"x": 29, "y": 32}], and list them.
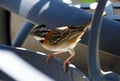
[{"x": 38, "y": 38}]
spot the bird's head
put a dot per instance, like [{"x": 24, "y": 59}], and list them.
[{"x": 39, "y": 32}]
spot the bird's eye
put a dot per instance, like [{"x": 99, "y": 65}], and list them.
[{"x": 42, "y": 34}]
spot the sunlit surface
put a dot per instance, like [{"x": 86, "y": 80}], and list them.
[
  {"x": 28, "y": 8},
  {"x": 21, "y": 48},
  {"x": 45, "y": 7},
  {"x": 18, "y": 69},
  {"x": 67, "y": 1}
]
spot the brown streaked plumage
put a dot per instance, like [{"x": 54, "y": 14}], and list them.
[{"x": 60, "y": 40}]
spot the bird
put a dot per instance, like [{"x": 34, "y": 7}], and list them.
[{"x": 60, "y": 39}]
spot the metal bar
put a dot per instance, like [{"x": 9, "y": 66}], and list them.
[
  {"x": 109, "y": 37},
  {"x": 4, "y": 27},
  {"x": 15, "y": 67},
  {"x": 53, "y": 69},
  {"x": 53, "y": 13},
  {"x": 116, "y": 5},
  {"x": 109, "y": 10},
  {"x": 115, "y": 17},
  {"x": 94, "y": 64},
  {"x": 22, "y": 34},
  {"x": 85, "y": 5}
]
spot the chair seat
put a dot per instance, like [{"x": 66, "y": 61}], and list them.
[{"x": 53, "y": 69}]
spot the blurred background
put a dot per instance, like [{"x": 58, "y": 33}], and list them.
[{"x": 108, "y": 62}]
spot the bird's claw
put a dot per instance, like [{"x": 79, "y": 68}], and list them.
[
  {"x": 65, "y": 65},
  {"x": 49, "y": 57}
]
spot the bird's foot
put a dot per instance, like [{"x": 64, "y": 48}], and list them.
[
  {"x": 65, "y": 65},
  {"x": 49, "y": 57}
]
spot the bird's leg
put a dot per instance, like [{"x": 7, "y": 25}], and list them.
[
  {"x": 52, "y": 55},
  {"x": 67, "y": 61}
]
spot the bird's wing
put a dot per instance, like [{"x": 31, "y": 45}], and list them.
[
  {"x": 66, "y": 34},
  {"x": 58, "y": 35}
]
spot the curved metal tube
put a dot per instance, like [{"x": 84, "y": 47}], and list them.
[
  {"x": 53, "y": 13},
  {"x": 94, "y": 65},
  {"x": 22, "y": 34},
  {"x": 95, "y": 72}
]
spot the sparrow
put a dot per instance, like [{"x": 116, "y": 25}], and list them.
[{"x": 59, "y": 40}]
